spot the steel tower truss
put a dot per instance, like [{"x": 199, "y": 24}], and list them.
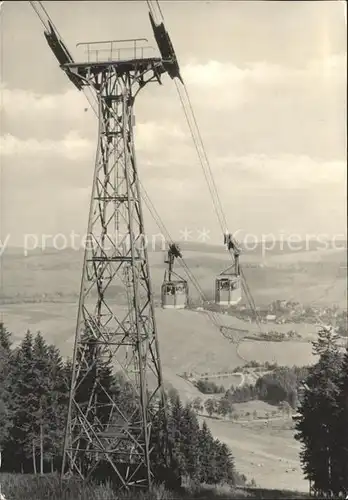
[
  {"x": 100, "y": 429},
  {"x": 106, "y": 431}
]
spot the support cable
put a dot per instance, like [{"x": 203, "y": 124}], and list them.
[
  {"x": 207, "y": 170},
  {"x": 205, "y": 164},
  {"x": 46, "y": 21}
]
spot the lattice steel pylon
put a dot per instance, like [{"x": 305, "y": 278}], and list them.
[{"x": 102, "y": 428}]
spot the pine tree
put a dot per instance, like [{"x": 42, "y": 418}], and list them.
[
  {"x": 41, "y": 385},
  {"x": 52, "y": 404},
  {"x": 224, "y": 463},
  {"x": 5, "y": 338},
  {"x": 342, "y": 428},
  {"x": 22, "y": 401},
  {"x": 318, "y": 415},
  {"x": 160, "y": 455},
  {"x": 189, "y": 429},
  {"x": 5, "y": 356},
  {"x": 206, "y": 451},
  {"x": 175, "y": 437}
]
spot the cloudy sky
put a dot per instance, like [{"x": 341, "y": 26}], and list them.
[{"x": 267, "y": 81}]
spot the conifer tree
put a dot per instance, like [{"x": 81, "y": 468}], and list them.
[
  {"x": 342, "y": 428},
  {"x": 53, "y": 401},
  {"x": 5, "y": 338},
  {"x": 224, "y": 463},
  {"x": 160, "y": 453},
  {"x": 206, "y": 451},
  {"x": 22, "y": 400},
  {"x": 318, "y": 415},
  {"x": 5, "y": 356},
  {"x": 175, "y": 436},
  {"x": 189, "y": 428}
]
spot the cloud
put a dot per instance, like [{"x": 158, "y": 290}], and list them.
[
  {"x": 151, "y": 136},
  {"x": 226, "y": 82},
  {"x": 217, "y": 74},
  {"x": 20, "y": 102},
  {"x": 275, "y": 138},
  {"x": 258, "y": 194},
  {"x": 284, "y": 171},
  {"x": 225, "y": 85},
  {"x": 258, "y": 108},
  {"x": 72, "y": 147},
  {"x": 157, "y": 144}
]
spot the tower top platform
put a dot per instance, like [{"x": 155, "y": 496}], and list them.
[{"x": 124, "y": 55}]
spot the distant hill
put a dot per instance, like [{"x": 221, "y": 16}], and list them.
[{"x": 313, "y": 276}]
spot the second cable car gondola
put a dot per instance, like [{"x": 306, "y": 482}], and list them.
[
  {"x": 174, "y": 288},
  {"x": 228, "y": 283}
]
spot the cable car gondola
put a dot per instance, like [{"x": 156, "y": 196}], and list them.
[
  {"x": 228, "y": 283},
  {"x": 174, "y": 288}
]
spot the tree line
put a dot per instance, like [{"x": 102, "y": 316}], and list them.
[{"x": 34, "y": 393}]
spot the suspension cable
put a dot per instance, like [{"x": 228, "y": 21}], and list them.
[
  {"x": 208, "y": 174},
  {"x": 46, "y": 21}
]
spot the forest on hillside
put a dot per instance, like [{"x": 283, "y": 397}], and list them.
[{"x": 34, "y": 393}]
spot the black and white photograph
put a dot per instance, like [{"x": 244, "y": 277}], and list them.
[{"x": 173, "y": 250}]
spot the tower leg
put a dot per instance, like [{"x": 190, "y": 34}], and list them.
[{"x": 108, "y": 428}]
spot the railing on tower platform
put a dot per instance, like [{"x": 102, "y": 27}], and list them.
[{"x": 117, "y": 50}]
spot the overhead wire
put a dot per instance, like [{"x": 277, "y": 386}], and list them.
[
  {"x": 213, "y": 188},
  {"x": 213, "y": 316},
  {"x": 46, "y": 21},
  {"x": 208, "y": 174},
  {"x": 216, "y": 202}
]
